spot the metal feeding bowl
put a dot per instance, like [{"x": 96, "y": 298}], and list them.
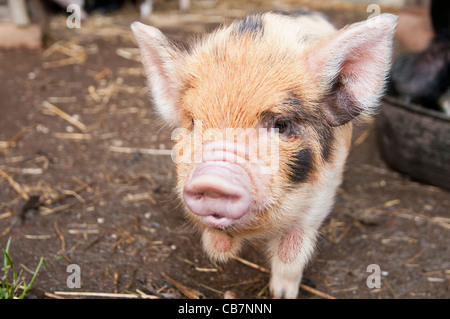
[{"x": 415, "y": 141}]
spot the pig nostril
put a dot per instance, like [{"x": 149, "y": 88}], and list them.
[{"x": 198, "y": 195}]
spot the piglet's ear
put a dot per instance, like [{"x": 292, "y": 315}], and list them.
[
  {"x": 352, "y": 66},
  {"x": 161, "y": 60}
]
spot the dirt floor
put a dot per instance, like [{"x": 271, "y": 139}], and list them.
[{"x": 83, "y": 189}]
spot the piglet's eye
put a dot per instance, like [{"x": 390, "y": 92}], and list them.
[{"x": 283, "y": 126}]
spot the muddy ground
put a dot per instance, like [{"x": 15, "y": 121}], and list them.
[{"x": 87, "y": 192}]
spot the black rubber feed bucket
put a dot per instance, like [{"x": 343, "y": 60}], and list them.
[{"x": 415, "y": 141}]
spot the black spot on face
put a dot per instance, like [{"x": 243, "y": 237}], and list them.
[
  {"x": 298, "y": 110},
  {"x": 294, "y": 104},
  {"x": 252, "y": 24},
  {"x": 324, "y": 131},
  {"x": 302, "y": 166},
  {"x": 326, "y": 140}
]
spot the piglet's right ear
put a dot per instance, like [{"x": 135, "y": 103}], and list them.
[
  {"x": 161, "y": 60},
  {"x": 352, "y": 66}
]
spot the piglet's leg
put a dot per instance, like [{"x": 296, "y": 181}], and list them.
[
  {"x": 220, "y": 246},
  {"x": 290, "y": 252}
]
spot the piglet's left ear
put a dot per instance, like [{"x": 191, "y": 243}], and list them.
[
  {"x": 161, "y": 60},
  {"x": 352, "y": 66}
]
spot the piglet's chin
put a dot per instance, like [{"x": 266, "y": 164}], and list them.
[{"x": 219, "y": 193}]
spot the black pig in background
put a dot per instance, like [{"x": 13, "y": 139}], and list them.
[{"x": 424, "y": 77}]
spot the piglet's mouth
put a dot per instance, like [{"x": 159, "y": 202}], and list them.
[{"x": 219, "y": 193}]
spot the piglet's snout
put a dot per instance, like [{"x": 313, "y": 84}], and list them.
[{"x": 218, "y": 192}]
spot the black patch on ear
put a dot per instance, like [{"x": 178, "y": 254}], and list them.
[
  {"x": 339, "y": 105},
  {"x": 251, "y": 24},
  {"x": 302, "y": 166}
]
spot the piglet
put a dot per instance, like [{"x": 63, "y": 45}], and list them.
[{"x": 263, "y": 112}]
